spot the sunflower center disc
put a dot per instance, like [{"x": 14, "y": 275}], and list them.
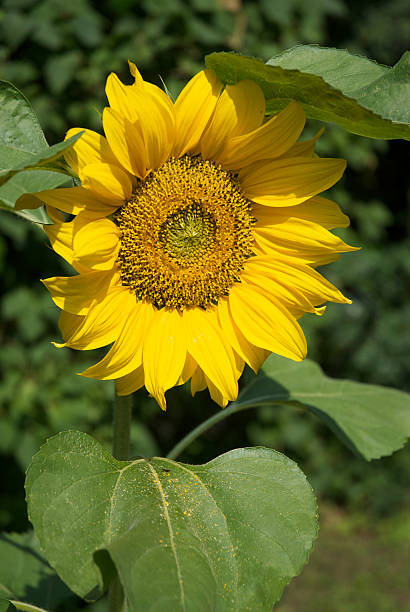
[
  {"x": 185, "y": 234},
  {"x": 188, "y": 234}
]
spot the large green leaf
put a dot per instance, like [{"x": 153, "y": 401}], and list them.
[
  {"x": 373, "y": 420},
  {"x": 30, "y": 181},
  {"x": 332, "y": 85},
  {"x": 20, "y": 130},
  {"x": 26, "y": 579},
  {"x": 29, "y": 161},
  {"x": 224, "y": 536},
  {"x": 22, "y": 142}
]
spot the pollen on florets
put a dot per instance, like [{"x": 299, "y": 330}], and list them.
[{"x": 185, "y": 234}]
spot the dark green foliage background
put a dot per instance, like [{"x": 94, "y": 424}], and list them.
[{"x": 59, "y": 54}]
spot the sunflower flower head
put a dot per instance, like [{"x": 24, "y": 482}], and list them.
[{"x": 196, "y": 236}]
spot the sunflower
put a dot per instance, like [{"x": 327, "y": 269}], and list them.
[{"x": 196, "y": 233}]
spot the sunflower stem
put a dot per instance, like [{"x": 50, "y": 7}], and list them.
[
  {"x": 202, "y": 427},
  {"x": 121, "y": 451},
  {"x": 122, "y": 426},
  {"x": 219, "y": 416}
]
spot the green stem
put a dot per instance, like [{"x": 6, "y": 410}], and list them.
[
  {"x": 122, "y": 426},
  {"x": 219, "y": 416},
  {"x": 202, "y": 427},
  {"x": 121, "y": 451}
]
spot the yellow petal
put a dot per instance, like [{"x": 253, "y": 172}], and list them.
[
  {"x": 157, "y": 120},
  {"x": 88, "y": 149},
  {"x": 252, "y": 355},
  {"x": 193, "y": 109},
  {"x": 306, "y": 148},
  {"x": 130, "y": 382},
  {"x": 218, "y": 397},
  {"x": 75, "y": 293},
  {"x": 68, "y": 323},
  {"x": 126, "y": 353},
  {"x": 164, "y": 353},
  {"x": 301, "y": 239},
  {"x": 295, "y": 278},
  {"x": 198, "y": 382},
  {"x": 61, "y": 236},
  {"x": 96, "y": 244},
  {"x": 291, "y": 298},
  {"x": 61, "y": 239},
  {"x": 208, "y": 347},
  {"x": 71, "y": 200},
  {"x": 103, "y": 322},
  {"x": 265, "y": 323},
  {"x": 188, "y": 370},
  {"x": 138, "y": 80},
  {"x": 317, "y": 210},
  {"x": 270, "y": 140},
  {"x": 151, "y": 111},
  {"x": 216, "y": 394},
  {"x": 126, "y": 141},
  {"x": 239, "y": 109},
  {"x": 55, "y": 215},
  {"x": 287, "y": 182},
  {"x": 120, "y": 98},
  {"x": 107, "y": 181}
]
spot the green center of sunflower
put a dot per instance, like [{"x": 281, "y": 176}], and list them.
[
  {"x": 188, "y": 233},
  {"x": 185, "y": 234}
]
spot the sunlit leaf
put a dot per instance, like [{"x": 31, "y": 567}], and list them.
[
  {"x": 373, "y": 420},
  {"x": 226, "y": 535},
  {"x": 20, "y": 130},
  {"x": 22, "y": 142},
  {"x": 25, "y": 607},
  {"x": 332, "y": 85}
]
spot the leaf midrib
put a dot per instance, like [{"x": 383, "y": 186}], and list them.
[{"x": 158, "y": 484}]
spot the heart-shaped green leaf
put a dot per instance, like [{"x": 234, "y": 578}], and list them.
[
  {"x": 332, "y": 85},
  {"x": 224, "y": 536},
  {"x": 373, "y": 420}
]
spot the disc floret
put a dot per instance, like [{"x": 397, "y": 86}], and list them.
[{"x": 185, "y": 234}]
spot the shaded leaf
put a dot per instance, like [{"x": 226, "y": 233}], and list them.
[
  {"x": 227, "y": 535},
  {"x": 26, "y": 579},
  {"x": 373, "y": 420},
  {"x": 5, "y": 605},
  {"x": 332, "y": 85},
  {"x": 30, "y": 181}
]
